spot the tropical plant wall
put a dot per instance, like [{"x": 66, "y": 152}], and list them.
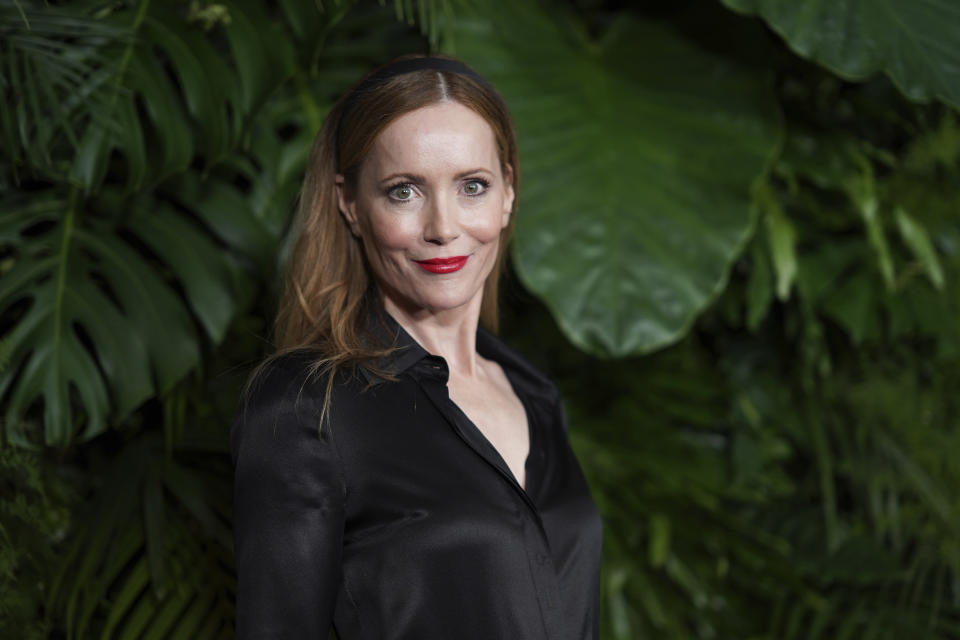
[{"x": 738, "y": 252}]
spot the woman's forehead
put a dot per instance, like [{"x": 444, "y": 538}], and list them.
[{"x": 446, "y": 136}]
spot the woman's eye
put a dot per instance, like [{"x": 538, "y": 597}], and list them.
[
  {"x": 474, "y": 187},
  {"x": 401, "y": 192}
]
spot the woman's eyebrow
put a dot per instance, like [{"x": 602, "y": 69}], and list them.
[
  {"x": 464, "y": 174},
  {"x": 418, "y": 179},
  {"x": 409, "y": 177}
]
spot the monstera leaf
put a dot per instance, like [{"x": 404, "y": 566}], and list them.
[
  {"x": 96, "y": 316},
  {"x": 637, "y": 153},
  {"x": 915, "y": 42},
  {"x": 111, "y": 282}
]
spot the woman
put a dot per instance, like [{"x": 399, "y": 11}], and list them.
[{"x": 400, "y": 472}]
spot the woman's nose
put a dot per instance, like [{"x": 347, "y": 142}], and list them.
[{"x": 441, "y": 224}]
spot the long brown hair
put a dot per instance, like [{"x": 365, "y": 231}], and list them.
[{"x": 329, "y": 292}]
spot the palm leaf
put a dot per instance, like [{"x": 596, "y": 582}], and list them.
[
  {"x": 140, "y": 561},
  {"x": 57, "y": 71}
]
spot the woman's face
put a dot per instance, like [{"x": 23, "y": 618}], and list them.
[{"x": 429, "y": 204}]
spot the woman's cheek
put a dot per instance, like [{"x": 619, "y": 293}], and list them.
[
  {"x": 486, "y": 228},
  {"x": 393, "y": 233}
]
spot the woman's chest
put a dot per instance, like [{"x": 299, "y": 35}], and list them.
[
  {"x": 431, "y": 506},
  {"x": 412, "y": 459},
  {"x": 498, "y": 413}
]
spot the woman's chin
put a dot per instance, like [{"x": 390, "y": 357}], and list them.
[{"x": 436, "y": 302}]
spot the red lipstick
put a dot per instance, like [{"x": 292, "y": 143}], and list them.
[{"x": 443, "y": 265}]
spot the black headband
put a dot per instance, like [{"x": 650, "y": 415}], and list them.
[{"x": 409, "y": 65}]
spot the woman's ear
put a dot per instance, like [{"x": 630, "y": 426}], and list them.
[
  {"x": 508, "y": 194},
  {"x": 347, "y": 205}
]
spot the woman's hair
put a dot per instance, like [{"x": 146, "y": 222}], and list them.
[{"x": 329, "y": 293}]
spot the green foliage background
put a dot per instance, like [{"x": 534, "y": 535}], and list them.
[{"x": 738, "y": 252}]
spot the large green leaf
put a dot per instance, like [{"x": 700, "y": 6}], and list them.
[
  {"x": 55, "y": 73},
  {"x": 637, "y": 154},
  {"x": 179, "y": 90},
  {"x": 915, "y": 42},
  {"x": 150, "y": 557},
  {"x": 94, "y": 317}
]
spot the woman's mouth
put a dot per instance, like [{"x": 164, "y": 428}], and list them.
[{"x": 443, "y": 265}]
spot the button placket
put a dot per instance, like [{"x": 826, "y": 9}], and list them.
[
  {"x": 545, "y": 579},
  {"x": 537, "y": 543}
]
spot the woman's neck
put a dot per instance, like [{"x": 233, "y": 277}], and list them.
[{"x": 451, "y": 334}]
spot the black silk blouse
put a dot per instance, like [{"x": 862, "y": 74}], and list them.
[{"x": 401, "y": 520}]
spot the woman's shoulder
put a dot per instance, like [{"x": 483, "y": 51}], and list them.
[
  {"x": 278, "y": 375},
  {"x": 300, "y": 370},
  {"x": 279, "y": 385},
  {"x": 282, "y": 404},
  {"x": 292, "y": 382},
  {"x": 277, "y": 444}
]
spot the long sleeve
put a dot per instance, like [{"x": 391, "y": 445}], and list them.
[{"x": 288, "y": 511}]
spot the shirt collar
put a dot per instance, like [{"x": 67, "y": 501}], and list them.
[
  {"x": 408, "y": 352},
  {"x": 387, "y": 332}
]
